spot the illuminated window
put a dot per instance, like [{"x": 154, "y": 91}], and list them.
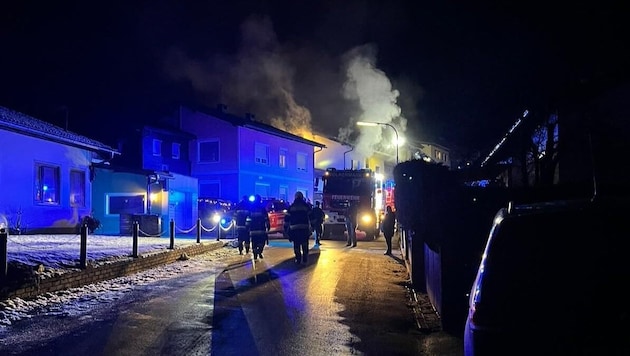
[
  {"x": 209, "y": 151},
  {"x": 157, "y": 147},
  {"x": 175, "y": 150},
  {"x": 262, "y": 153},
  {"x": 46, "y": 184},
  {"x": 301, "y": 162},
  {"x": 282, "y": 160},
  {"x": 77, "y": 188},
  {"x": 125, "y": 204}
]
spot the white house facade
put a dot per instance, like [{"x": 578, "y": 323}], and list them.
[{"x": 45, "y": 175}]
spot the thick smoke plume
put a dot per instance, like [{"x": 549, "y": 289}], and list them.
[
  {"x": 372, "y": 90},
  {"x": 283, "y": 85}
]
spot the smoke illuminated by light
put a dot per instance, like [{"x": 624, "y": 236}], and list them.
[{"x": 372, "y": 90}]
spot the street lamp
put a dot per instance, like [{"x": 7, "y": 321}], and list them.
[{"x": 364, "y": 123}]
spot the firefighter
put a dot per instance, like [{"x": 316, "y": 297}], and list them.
[
  {"x": 241, "y": 214},
  {"x": 298, "y": 227},
  {"x": 351, "y": 224},
  {"x": 317, "y": 221},
  {"x": 258, "y": 226},
  {"x": 389, "y": 225}
]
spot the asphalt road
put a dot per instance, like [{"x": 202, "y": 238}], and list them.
[{"x": 345, "y": 301}]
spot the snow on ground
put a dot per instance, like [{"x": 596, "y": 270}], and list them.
[{"x": 60, "y": 253}]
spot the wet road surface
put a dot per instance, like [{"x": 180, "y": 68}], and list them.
[{"x": 344, "y": 301}]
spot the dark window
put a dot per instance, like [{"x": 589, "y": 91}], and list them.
[
  {"x": 207, "y": 190},
  {"x": 175, "y": 150},
  {"x": 125, "y": 204},
  {"x": 209, "y": 151},
  {"x": 301, "y": 162},
  {"x": 261, "y": 153},
  {"x": 157, "y": 147},
  {"x": 77, "y": 188}
]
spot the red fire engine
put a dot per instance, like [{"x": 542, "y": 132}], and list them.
[{"x": 340, "y": 189}]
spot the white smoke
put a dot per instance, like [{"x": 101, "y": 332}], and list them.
[{"x": 370, "y": 88}]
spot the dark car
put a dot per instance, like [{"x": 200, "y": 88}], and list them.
[{"x": 552, "y": 281}]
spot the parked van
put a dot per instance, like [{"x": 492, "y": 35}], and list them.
[{"x": 552, "y": 281}]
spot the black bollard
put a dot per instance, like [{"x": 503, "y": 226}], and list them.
[
  {"x": 83, "y": 255},
  {"x": 172, "y": 230},
  {"x": 135, "y": 228},
  {"x": 198, "y": 230},
  {"x": 4, "y": 236}
]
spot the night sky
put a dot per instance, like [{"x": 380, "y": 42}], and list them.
[{"x": 450, "y": 72}]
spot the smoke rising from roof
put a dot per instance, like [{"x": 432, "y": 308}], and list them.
[
  {"x": 282, "y": 84},
  {"x": 372, "y": 90}
]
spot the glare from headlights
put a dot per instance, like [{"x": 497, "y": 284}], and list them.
[
  {"x": 366, "y": 218},
  {"x": 216, "y": 218}
]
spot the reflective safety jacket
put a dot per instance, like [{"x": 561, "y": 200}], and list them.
[{"x": 258, "y": 221}]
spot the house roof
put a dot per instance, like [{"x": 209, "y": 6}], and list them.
[
  {"x": 26, "y": 125},
  {"x": 250, "y": 123}
]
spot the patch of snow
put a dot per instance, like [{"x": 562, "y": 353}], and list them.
[{"x": 60, "y": 254}]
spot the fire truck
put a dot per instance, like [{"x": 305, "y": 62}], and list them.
[{"x": 340, "y": 189}]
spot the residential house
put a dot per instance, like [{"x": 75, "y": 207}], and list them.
[
  {"x": 46, "y": 175},
  {"x": 428, "y": 151},
  {"x": 149, "y": 182},
  {"x": 235, "y": 156}
]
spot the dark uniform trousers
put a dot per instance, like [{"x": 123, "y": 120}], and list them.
[
  {"x": 300, "y": 243},
  {"x": 259, "y": 238},
  {"x": 299, "y": 229},
  {"x": 242, "y": 234}
]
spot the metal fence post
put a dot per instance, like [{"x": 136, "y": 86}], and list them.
[
  {"x": 135, "y": 228},
  {"x": 198, "y": 230},
  {"x": 172, "y": 231},
  {"x": 83, "y": 254},
  {"x": 4, "y": 236}
]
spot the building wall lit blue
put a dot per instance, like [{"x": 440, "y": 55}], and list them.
[
  {"x": 224, "y": 159},
  {"x": 173, "y": 155},
  {"x": 56, "y": 211},
  {"x": 110, "y": 185}
]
